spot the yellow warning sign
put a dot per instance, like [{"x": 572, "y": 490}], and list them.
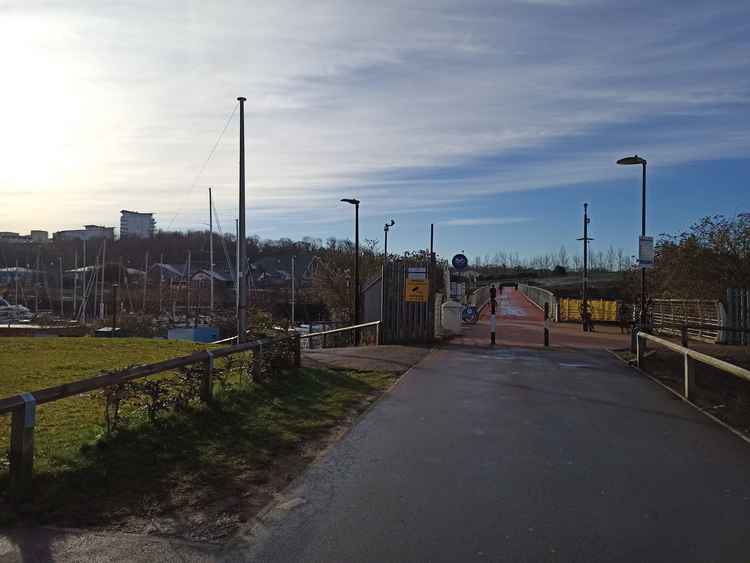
[{"x": 416, "y": 291}]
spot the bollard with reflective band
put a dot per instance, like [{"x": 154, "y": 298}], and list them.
[{"x": 493, "y": 309}]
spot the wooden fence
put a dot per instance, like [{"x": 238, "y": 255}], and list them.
[{"x": 22, "y": 407}]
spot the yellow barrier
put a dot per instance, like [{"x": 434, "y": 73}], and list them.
[{"x": 601, "y": 310}]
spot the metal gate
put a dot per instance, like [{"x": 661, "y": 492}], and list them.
[{"x": 407, "y": 321}]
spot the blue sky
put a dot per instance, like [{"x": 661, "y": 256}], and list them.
[{"x": 494, "y": 120}]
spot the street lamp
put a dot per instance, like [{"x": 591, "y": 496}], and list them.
[
  {"x": 355, "y": 203},
  {"x": 630, "y": 160},
  {"x": 386, "y": 228}
]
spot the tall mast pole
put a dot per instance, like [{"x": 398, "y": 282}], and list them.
[
  {"x": 104, "y": 267},
  {"x": 75, "y": 287},
  {"x": 161, "y": 281},
  {"x": 15, "y": 279},
  {"x": 145, "y": 283},
  {"x": 293, "y": 291},
  {"x": 188, "y": 287},
  {"x": 242, "y": 267},
  {"x": 237, "y": 269},
  {"x": 62, "y": 306},
  {"x": 84, "y": 295},
  {"x": 211, "y": 244}
]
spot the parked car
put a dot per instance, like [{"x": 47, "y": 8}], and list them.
[{"x": 12, "y": 313}]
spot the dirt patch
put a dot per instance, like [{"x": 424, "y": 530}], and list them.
[{"x": 389, "y": 358}]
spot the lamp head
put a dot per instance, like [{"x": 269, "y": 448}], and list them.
[
  {"x": 353, "y": 201},
  {"x": 632, "y": 160}
]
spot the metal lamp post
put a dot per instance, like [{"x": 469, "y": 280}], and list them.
[
  {"x": 386, "y": 228},
  {"x": 631, "y": 160},
  {"x": 355, "y": 203}
]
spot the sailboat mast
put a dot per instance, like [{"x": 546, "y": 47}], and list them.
[{"x": 211, "y": 244}]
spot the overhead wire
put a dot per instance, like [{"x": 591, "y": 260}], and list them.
[{"x": 205, "y": 163}]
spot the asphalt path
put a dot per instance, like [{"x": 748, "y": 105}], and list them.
[{"x": 518, "y": 454}]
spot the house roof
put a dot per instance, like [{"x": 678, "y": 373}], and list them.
[{"x": 218, "y": 276}]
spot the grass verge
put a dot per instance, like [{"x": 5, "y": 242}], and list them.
[{"x": 198, "y": 473}]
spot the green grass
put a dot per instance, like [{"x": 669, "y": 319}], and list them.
[
  {"x": 30, "y": 364},
  {"x": 186, "y": 459}
]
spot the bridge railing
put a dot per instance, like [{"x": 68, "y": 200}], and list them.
[
  {"x": 539, "y": 297},
  {"x": 690, "y": 357}
]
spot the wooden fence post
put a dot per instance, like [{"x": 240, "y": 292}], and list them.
[
  {"x": 257, "y": 362},
  {"x": 640, "y": 349},
  {"x": 207, "y": 379},
  {"x": 22, "y": 448},
  {"x": 689, "y": 376},
  {"x": 297, "y": 350},
  {"x": 684, "y": 335}
]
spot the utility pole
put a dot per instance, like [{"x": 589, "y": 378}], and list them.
[
  {"x": 585, "y": 296},
  {"x": 242, "y": 266},
  {"x": 211, "y": 245}
]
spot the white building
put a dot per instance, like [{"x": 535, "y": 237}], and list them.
[
  {"x": 134, "y": 224},
  {"x": 89, "y": 232}
]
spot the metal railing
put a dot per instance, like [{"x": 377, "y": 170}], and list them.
[
  {"x": 690, "y": 357},
  {"x": 323, "y": 335},
  {"x": 22, "y": 407}
]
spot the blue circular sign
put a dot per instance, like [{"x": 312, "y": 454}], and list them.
[
  {"x": 470, "y": 314},
  {"x": 460, "y": 262}
]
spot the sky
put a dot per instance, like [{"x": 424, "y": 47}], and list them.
[{"x": 495, "y": 121}]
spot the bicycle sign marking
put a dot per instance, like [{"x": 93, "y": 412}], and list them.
[
  {"x": 416, "y": 291},
  {"x": 460, "y": 262}
]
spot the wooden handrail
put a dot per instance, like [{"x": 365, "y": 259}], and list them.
[{"x": 49, "y": 394}]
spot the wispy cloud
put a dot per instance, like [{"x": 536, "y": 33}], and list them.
[
  {"x": 342, "y": 95},
  {"x": 477, "y": 221}
]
